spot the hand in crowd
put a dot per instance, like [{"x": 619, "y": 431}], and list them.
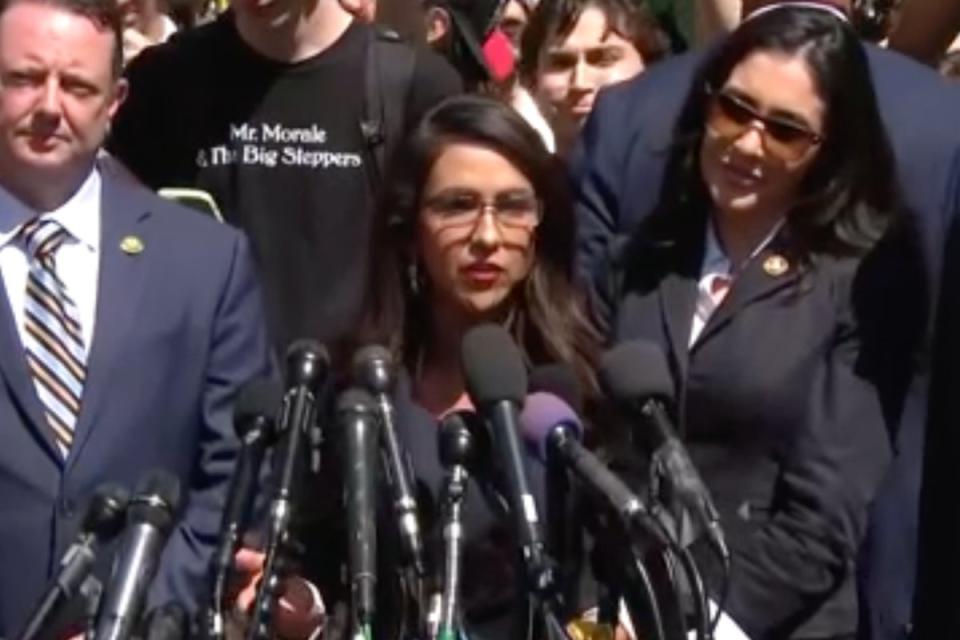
[{"x": 299, "y": 613}]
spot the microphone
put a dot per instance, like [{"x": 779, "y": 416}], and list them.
[
  {"x": 102, "y": 522},
  {"x": 357, "y": 422},
  {"x": 149, "y": 520},
  {"x": 458, "y": 449},
  {"x": 373, "y": 369},
  {"x": 497, "y": 383},
  {"x": 307, "y": 365},
  {"x": 257, "y": 404},
  {"x": 635, "y": 375},
  {"x": 554, "y": 431}
]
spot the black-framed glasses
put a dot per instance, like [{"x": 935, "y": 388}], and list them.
[
  {"x": 462, "y": 208},
  {"x": 730, "y": 116}
]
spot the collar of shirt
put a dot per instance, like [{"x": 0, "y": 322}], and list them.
[
  {"x": 716, "y": 262},
  {"x": 80, "y": 215}
]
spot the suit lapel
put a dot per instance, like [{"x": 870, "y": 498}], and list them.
[
  {"x": 19, "y": 381},
  {"x": 121, "y": 283},
  {"x": 766, "y": 273},
  {"x": 678, "y": 292},
  {"x": 678, "y": 299}
]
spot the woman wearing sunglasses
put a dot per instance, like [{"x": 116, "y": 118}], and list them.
[{"x": 779, "y": 187}]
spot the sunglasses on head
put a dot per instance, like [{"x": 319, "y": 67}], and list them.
[{"x": 730, "y": 116}]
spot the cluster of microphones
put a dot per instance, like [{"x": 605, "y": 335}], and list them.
[{"x": 644, "y": 528}]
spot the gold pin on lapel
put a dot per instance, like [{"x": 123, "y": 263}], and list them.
[
  {"x": 131, "y": 245},
  {"x": 775, "y": 265}
]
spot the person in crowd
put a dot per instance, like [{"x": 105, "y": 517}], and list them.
[
  {"x": 145, "y": 24},
  {"x": 618, "y": 170},
  {"x": 468, "y": 35},
  {"x": 925, "y": 30},
  {"x": 476, "y": 227},
  {"x": 244, "y": 110},
  {"x": 514, "y": 20},
  {"x": 749, "y": 274},
  {"x": 128, "y": 322},
  {"x": 574, "y": 48}
]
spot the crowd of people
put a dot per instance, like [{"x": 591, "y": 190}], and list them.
[{"x": 766, "y": 190}]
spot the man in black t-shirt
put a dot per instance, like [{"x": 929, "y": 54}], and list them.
[{"x": 262, "y": 109}]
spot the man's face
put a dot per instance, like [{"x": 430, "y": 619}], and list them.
[{"x": 57, "y": 89}]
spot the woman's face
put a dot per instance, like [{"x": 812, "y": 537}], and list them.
[
  {"x": 763, "y": 131},
  {"x": 475, "y": 236},
  {"x": 575, "y": 67}
]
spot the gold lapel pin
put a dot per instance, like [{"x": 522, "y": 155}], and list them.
[
  {"x": 776, "y": 265},
  {"x": 131, "y": 245}
]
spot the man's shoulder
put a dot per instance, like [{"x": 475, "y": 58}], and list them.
[
  {"x": 182, "y": 226},
  {"x": 914, "y": 96}
]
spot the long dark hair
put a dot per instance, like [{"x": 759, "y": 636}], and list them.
[
  {"x": 848, "y": 196},
  {"x": 548, "y": 319}
]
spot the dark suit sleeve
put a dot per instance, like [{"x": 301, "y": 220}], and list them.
[
  {"x": 596, "y": 170},
  {"x": 238, "y": 352},
  {"x": 829, "y": 477}
]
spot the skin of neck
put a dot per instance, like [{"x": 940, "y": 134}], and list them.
[
  {"x": 441, "y": 386},
  {"x": 741, "y": 233},
  {"x": 307, "y": 29}
]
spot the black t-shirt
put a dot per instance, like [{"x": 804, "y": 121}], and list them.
[{"x": 280, "y": 149}]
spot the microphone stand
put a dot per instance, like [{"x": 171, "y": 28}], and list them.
[
  {"x": 454, "y": 494},
  {"x": 626, "y": 577}
]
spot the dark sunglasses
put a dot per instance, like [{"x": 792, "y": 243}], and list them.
[{"x": 730, "y": 117}]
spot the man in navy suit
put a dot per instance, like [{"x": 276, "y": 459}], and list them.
[
  {"x": 126, "y": 323},
  {"x": 618, "y": 168}
]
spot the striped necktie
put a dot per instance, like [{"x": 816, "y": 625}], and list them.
[{"x": 53, "y": 339}]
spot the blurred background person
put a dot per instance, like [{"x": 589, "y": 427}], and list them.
[
  {"x": 514, "y": 20},
  {"x": 145, "y": 23},
  {"x": 748, "y": 275},
  {"x": 574, "y": 48},
  {"x": 241, "y": 109},
  {"x": 467, "y": 34},
  {"x": 925, "y": 29}
]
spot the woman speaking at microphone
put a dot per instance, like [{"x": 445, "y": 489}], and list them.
[
  {"x": 476, "y": 228},
  {"x": 779, "y": 188}
]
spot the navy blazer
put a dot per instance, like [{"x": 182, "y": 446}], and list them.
[
  {"x": 179, "y": 327},
  {"x": 618, "y": 170},
  {"x": 780, "y": 414}
]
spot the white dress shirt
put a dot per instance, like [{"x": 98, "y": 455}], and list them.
[
  {"x": 717, "y": 265},
  {"x": 77, "y": 260}
]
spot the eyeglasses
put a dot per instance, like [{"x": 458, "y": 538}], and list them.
[
  {"x": 730, "y": 117},
  {"x": 460, "y": 209}
]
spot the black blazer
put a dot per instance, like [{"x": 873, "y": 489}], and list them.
[{"x": 777, "y": 407}]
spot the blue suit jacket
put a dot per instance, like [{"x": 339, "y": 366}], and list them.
[
  {"x": 178, "y": 327},
  {"x": 618, "y": 170}
]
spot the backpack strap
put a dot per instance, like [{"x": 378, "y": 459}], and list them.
[{"x": 388, "y": 75}]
